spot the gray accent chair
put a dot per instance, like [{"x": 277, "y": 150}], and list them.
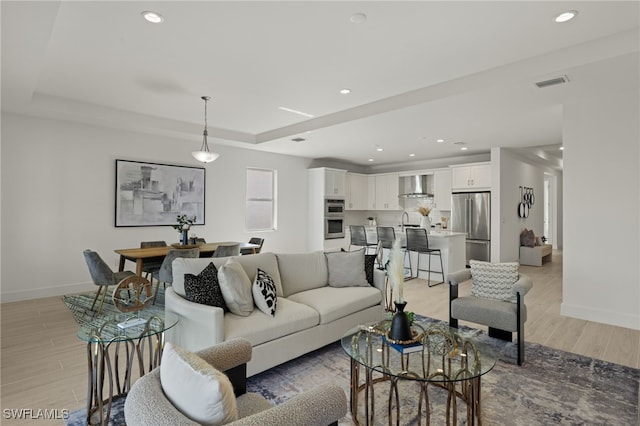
[
  {"x": 165, "y": 273},
  {"x": 418, "y": 241},
  {"x": 102, "y": 275},
  {"x": 227, "y": 250},
  {"x": 146, "y": 403},
  {"x": 502, "y": 318},
  {"x": 358, "y": 238}
]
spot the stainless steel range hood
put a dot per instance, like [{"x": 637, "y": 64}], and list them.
[{"x": 416, "y": 186}]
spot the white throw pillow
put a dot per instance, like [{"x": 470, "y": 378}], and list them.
[
  {"x": 236, "y": 288},
  {"x": 196, "y": 388},
  {"x": 264, "y": 293},
  {"x": 494, "y": 280},
  {"x": 346, "y": 269}
]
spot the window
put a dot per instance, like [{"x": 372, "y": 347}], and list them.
[{"x": 261, "y": 200}]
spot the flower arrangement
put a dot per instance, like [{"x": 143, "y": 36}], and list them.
[
  {"x": 184, "y": 222},
  {"x": 395, "y": 271},
  {"x": 423, "y": 209}
]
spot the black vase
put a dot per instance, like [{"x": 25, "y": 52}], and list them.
[
  {"x": 185, "y": 237},
  {"x": 400, "y": 325}
]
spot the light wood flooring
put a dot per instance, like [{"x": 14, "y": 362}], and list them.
[{"x": 43, "y": 364}]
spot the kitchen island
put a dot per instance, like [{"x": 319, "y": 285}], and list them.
[{"x": 451, "y": 244}]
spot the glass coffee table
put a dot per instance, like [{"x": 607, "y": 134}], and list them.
[
  {"x": 441, "y": 358},
  {"x": 113, "y": 346}
]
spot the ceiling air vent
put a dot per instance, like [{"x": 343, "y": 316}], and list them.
[
  {"x": 298, "y": 139},
  {"x": 553, "y": 81}
]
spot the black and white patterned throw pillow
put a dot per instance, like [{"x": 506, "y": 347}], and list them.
[
  {"x": 264, "y": 293},
  {"x": 204, "y": 288}
]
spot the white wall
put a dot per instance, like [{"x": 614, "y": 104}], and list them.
[
  {"x": 515, "y": 173},
  {"x": 601, "y": 135},
  {"x": 60, "y": 201}
]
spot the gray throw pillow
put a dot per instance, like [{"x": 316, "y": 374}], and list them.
[
  {"x": 346, "y": 269},
  {"x": 204, "y": 288}
]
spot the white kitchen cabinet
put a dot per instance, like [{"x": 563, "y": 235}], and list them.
[
  {"x": 371, "y": 192},
  {"x": 356, "y": 192},
  {"x": 442, "y": 191},
  {"x": 334, "y": 182},
  {"x": 387, "y": 190},
  {"x": 471, "y": 176}
]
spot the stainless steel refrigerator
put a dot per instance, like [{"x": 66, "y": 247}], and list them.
[{"x": 471, "y": 214}]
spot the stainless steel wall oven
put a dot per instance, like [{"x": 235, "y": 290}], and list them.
[{"x": 333, "y": 218}]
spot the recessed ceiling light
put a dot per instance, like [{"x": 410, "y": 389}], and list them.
[
  {"x": 412, "y": 155},
  {"x": 440, "y": 140},
  {"x": 566, "y": 16},
  {"x": 358, "y": 18},
  {"x": 379, "y": 149},
  {"x": 370, "y": 159},
  {"x": 153, "y": 17},
  {"x": 295, "y": 111},
  {"x": 562, "y": 148},
  {"x": 345, "y": 91},
  {"x": 463, "y": 148}
]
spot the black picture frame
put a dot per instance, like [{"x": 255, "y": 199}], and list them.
[{"x": 153, "y": 194}]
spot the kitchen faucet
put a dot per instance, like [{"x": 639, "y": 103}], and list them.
[{"x": 402, "y": 220}]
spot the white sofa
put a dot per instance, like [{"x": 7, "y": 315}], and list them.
[{"x": 310, "y": 313}]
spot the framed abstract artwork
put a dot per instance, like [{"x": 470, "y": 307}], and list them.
[{"x": 152, "y": 194}]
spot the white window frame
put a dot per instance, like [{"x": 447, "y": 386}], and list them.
[{"x": 273, "y": 200}]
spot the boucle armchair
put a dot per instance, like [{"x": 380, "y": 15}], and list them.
[{"x": 146, "y": 403}]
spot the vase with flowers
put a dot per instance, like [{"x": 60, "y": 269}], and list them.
[
  {"x": 425, "y": 221},
  {"x": 184, "y": 224},
  {"x": 400, "y": 330}
]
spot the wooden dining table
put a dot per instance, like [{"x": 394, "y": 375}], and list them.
[{"x": 139, "y": 255}]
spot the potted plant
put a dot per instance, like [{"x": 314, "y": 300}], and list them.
[
  {"x": 425, "y": 221},
  {"x": 183, "y": 226}
]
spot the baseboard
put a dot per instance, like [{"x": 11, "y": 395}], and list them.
[
  {"x": 601, "y": 316},
  {"x": 38, "y": 293}
]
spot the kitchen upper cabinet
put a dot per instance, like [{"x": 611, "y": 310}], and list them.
[
  {"x": 387, "y": 188},
  {"x": 357, "y": 189},
  {"x": 371, "y": 192},
  {"x": 442, "y": 191},
  {"x": 334, "y": 182},
  {"x": 471, "y": 176}
]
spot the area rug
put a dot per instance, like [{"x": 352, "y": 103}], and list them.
[
  {"x": 80, "y": 307},
  {"x": 552, "y": 387}
]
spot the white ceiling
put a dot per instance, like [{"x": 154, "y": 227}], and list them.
[{"x": 418, "y": 71}]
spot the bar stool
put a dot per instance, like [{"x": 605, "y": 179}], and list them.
[
  {"x": 418, "y": 241},
  {"x": 359, "y": 238}
]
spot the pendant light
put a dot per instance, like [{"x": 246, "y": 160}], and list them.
[{"x": 204, "y": 155}]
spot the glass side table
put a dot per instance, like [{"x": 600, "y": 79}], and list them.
[
  {"x": 441, "y": 358},
  {"x": 113, "y": 347}
]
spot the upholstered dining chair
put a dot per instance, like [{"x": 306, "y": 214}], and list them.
[
  {"x": 165, "y": 273},
  {"x": 227, "y": 250},
  {"x": 253, "y": 240},
  {"x": 359, "y": 238},
  {"x": 102, "y": 275},
  {"x": 153, "y": 264}
]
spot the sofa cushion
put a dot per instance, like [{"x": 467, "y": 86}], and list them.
[
  {"x": 290, "y": 318},
  {"x": 494, "y": 280},
  {"x": 264, "y": 293},
  {"x": 346, "y": 269},
  {"x": 266, "y": 261},
  {"x": 302, "y": 271},
  {"x": 333, "y": 303},
  {"x": 204, "y": 288},
  {"x": 236, "y": 288},
  {"x": 196, "y": 388},
  {"x": 369, "y": 266},
  {"x": 181, "y": 266}
]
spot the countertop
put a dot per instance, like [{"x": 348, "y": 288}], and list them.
[{"x": 433, "y": 233}]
